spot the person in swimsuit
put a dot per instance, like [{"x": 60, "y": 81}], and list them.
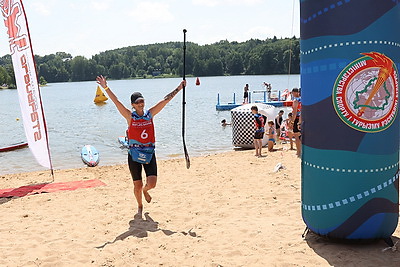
[
  {"x": 271, "y": 136},
  {"x": 224, "y": 123},
  {"x": 289, "y": 129},
  {"x": 259, "y": 133},
  {"x": 141, "y": 138},
  {"x": 278, "y": 123}
]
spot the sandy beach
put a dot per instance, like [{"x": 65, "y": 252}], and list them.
[{"x": 228, "y": 209}]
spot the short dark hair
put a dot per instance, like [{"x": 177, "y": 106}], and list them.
[
  {"x": 295, "y": 90},
  {"x": 254, "y": 108}
]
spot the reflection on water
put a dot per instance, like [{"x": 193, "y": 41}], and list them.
[{"x": 73, "y": 120}]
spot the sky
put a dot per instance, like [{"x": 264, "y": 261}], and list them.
[{"x": 88, "y": 27}]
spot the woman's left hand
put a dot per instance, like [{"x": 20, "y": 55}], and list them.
[{"x": 102, "y": 81}]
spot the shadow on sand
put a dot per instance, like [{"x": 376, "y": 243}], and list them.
[
  {"x": 372, "y": 253},
  {"x": 139, "y": 227}
]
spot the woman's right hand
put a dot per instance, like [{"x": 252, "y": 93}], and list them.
[{"x": 182, "y": 84}]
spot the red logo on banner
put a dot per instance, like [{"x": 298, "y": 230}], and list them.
[
  {"x": 366, "y": 93},
  {"x": 11, "y": 12}
]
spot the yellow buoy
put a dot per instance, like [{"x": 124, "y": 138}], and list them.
[{"x": 100, "y": 97}]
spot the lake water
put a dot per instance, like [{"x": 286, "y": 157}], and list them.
[{"x": 73, "y": 120}]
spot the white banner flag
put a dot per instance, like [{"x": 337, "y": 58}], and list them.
[{"x": 27, "y": 80}]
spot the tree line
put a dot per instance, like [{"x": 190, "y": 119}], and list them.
[{"x": 252, "y": 57}]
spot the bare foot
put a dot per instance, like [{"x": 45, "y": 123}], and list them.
[
  {"x": 139, "y": 213},
  {"x": 147, "y": 196}
]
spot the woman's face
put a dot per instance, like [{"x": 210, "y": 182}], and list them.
[{"x": 139, "y": 104}]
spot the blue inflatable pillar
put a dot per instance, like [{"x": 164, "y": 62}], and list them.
[{"x": 350, "y": 54}]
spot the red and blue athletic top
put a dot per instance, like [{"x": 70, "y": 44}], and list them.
[
  {"x": 259, "y": 122},
  {"x": 141, "y": 130},
  {"x": 298, "y": 106}
]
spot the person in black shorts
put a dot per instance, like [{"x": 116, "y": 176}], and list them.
[
  {"x": 296, "y": 128},
  {"x": 278, "y": 123},
  {"x": 246, "y": 94},
  {"x": 259, "y": 121},
  {"x": 141, "y": 138},
  {"x": 136, "y": 168},
  {"x": 296, "y": 120}
]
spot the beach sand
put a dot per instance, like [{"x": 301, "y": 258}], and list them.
[{"x": 228, "y": 209}]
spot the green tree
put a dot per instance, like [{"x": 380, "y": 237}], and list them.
[
  {"x": 4, "y": 76},
  {"x": 235, "y": 64},
  {"x": 119, "y": 71},
  {"x": 254, "y": 57},
  {"x": 214, "y": 67},
  {"x": 42, "y": 81},
  {"x": 79, "y": 68}
]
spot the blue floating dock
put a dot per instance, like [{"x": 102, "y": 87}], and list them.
[
  {"x": 233, "y": 104},
  {"x": 227, "y": 106}
]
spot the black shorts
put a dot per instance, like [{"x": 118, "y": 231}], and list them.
[
  {"x": 258, "y": 135},
  {"x": 136, "y": 168},
  {"x": 296, "y": 125}
]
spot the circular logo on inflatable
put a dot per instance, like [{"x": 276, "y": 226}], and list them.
[{"x": 365, "y": 94}]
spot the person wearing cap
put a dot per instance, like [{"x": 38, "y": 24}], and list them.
[
  {"x": 296, "y": 119},
  {"x": 141, "y": 138}
]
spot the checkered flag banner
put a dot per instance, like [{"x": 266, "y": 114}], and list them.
[{"x": 242, "y": 128}]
